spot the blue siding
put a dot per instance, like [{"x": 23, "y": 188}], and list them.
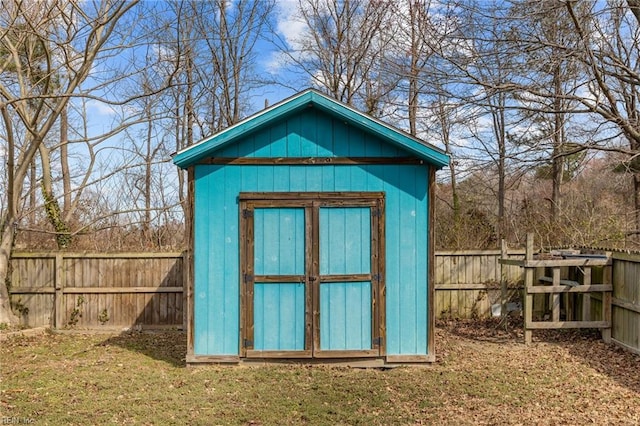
[
  {"x": 406, "y": 253},
  {"x": 278, "y": 316},
  {"x": 296, "y": 136},
  {"x": 279, "y": 241},
  {"x": 345, "y": 316},
  {"x": 216, "y": 246},
  {"x": 216, "y": 243},
  {"x": 345, "y": 235}
]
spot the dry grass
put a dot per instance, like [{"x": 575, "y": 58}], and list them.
[{"x": 483, "y": 376}]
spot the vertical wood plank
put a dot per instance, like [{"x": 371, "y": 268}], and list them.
[
  {"x": 243, "y": 272},
  {"x": 156, "y": 319},
  {"x": 439, "y": 275},
  {"x": 555, "y": 297},
  {"x": 446, "y": 269},
  {"x": 308, "y": 284},
  {"x": 431, "y": 315},
  {"x": 503, "y": 279},
  {"x": 528, "y": 298},
  {"x": 188, "y": 263},
  {"x": 586, "y": 297},
  {"x": 461, "y": 294},
  {"x": 606, "y": 303},
  {"x": 313, "y": 229},
  {"x": 249, "y": 282},
  {"x": 375, "y": 213},
  {"x": 382, "y": 285}
]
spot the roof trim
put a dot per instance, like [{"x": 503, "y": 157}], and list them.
[{"x": 307, "y": 98}]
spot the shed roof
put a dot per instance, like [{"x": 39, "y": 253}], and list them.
[{"x": 298, "y": 102}]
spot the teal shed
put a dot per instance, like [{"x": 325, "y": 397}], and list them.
[{"x": 311, "y": 238}]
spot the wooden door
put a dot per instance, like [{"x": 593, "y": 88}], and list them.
[{"x": 312, "y": 275}]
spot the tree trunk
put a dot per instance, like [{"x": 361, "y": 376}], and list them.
[
  {"x": 6, "y": 244},
  {"x": 501, "y": 193},
  {"x": 455, "y": 199},
  {"x": 499, "y": 129},
  {"x": 64, "y": 162},
  {"x": 51, "y": 206},
  {"x": 33, "y": 183},
  {"x": 557, "y": 161},
  {"x": 146, "y": 226},
  {"x": 636, "y": 205},
  {"x": 413, "y": 74}
]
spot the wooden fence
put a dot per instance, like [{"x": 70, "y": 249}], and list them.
[
  {"x": 625, "y": 315},
  {"x": 467, "y": 282},
  {"x": 98, "y": 290},
  {"x": 124, "y": 290}
]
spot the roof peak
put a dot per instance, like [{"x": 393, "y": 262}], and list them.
[{"x": 294, "y": 104}]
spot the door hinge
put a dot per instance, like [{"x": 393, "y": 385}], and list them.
[
  {"x": 377, "y": 341},
  {"x": 247, "y": 343},
  {"x": 246, "y": 213},
  {"x": 247, "y": 278},
  {"x": 376, "y": 277}
]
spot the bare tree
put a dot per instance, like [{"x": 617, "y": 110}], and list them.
[
  {"x": 341, "y": 50},
  {"x": 549, "y": 74},
  {"x": 210, "y": 51},
  {"x": 33, "y": 98},
  {"x": 610, "y": 52}
]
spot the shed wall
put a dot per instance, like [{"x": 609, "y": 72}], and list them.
[{"x": 216, "y": 246}]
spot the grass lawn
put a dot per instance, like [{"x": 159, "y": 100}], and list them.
[{"x": 482, "y": 376}]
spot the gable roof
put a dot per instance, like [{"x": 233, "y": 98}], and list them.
[{"x": 298, "y": 102}]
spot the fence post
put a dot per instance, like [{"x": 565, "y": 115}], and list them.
[
  {"x": 186, "y": 274},
  {"x": 58, "y": 301},
  {"x": 528, "y": 283}
]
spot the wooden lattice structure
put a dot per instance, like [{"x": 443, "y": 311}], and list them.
[{"x": 543, "y": 282}]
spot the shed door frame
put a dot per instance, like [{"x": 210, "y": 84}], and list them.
[{"x": 312, "y": 202}]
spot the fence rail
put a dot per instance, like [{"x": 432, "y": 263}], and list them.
[{"x": 124, "y": 290}]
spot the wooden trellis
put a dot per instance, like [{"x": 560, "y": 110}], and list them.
[{"x": 538, "y": 282}]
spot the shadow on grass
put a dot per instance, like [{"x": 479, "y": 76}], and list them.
[{"x": 167, "y": 346}]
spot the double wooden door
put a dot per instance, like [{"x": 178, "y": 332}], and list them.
[{"x": 312, "y": 270}]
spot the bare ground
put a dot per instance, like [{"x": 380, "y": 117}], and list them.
[{"x": 484, "y": 375}]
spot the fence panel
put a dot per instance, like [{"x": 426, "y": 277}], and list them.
[
  {"x": 98, "y": 290},
  {"x": 467, "y": 282},
  {"x": 33, "y": 289},
  {"x": 625, "y": 326}
]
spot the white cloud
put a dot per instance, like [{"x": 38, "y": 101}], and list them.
[
  {"x": 290, "y": 24},
  {"x": 276, "y": 62},
  {"x": 292, "y": 29},
  {"x": 101, "y": 108}
]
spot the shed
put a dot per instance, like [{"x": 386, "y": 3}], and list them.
[{"x": 311, "y": 238}]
